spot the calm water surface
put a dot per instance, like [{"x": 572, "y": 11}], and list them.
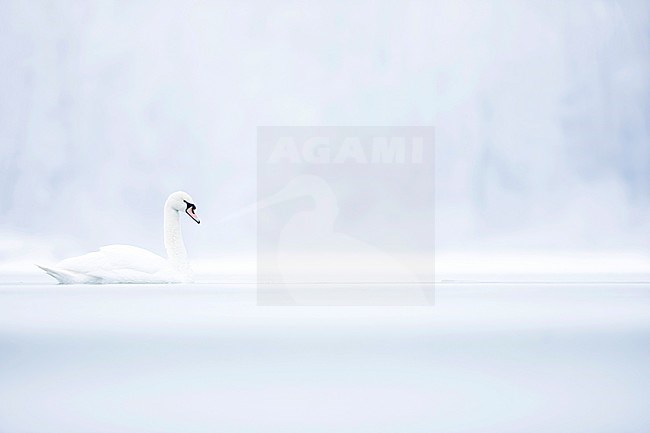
[{"x": 205, "y": 358}]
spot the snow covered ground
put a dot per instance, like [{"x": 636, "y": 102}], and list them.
[{"x": 488, "y": 357}]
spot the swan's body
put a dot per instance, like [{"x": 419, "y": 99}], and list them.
[{"x": 128, "y": 264}]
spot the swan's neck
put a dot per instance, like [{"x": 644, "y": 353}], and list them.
[{"x": 176, "y": 252}]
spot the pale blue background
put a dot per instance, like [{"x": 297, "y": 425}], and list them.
[{"x": 541, "y": 112}]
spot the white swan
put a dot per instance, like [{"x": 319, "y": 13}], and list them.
[{"x": 127, "y": 264}]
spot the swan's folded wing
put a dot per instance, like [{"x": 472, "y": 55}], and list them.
[
  {"x": 114, "y": 258},
  {"x": 134, "y": 258}
]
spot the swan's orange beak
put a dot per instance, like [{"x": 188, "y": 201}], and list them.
[{"x": 192, "y": 214}]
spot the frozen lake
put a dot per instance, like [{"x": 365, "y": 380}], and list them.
[{"x": 203, "y": 358}]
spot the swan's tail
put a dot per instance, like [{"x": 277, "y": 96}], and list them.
[{"x": 63, "y": 277}]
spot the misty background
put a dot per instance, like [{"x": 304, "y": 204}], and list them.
[{"x": 541, "y": 113}]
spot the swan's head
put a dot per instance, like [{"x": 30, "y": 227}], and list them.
[{"x": 182, "y": 202}]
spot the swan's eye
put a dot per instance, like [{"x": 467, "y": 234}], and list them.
[{"x": 189, "y": 205}]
